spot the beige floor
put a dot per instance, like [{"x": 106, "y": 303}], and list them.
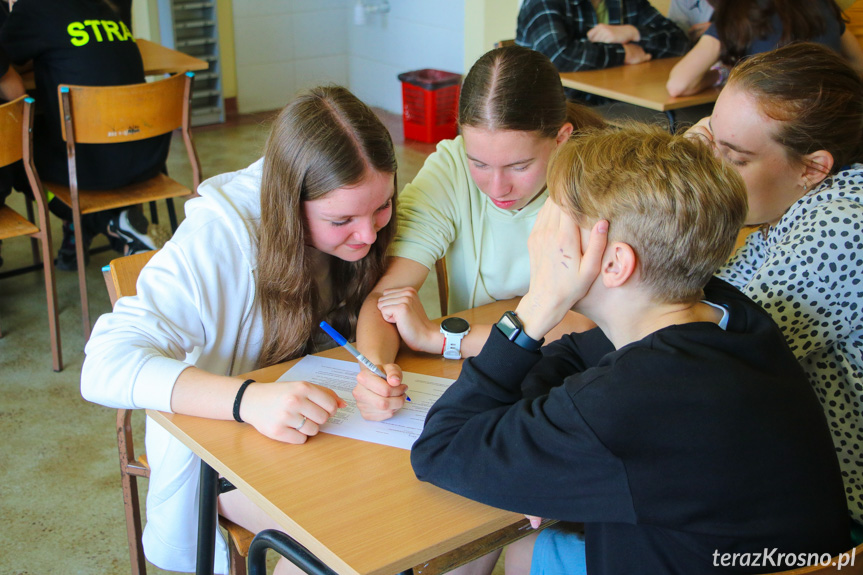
[{"x": 60, "y": 503}]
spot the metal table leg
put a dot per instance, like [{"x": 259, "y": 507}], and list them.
[{"x": 208, "y": 512}]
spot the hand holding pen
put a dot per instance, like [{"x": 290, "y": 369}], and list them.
[{"x": 339, "y": 339}]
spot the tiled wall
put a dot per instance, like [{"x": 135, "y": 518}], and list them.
[
  {"x": 283, "y": 46},
  {"x": 415, "y": 34}
]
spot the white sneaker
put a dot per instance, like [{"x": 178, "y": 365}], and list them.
[{"x": 133, "y": 227}]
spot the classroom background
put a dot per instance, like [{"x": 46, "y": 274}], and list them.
[{"x": 60, "y": 496}]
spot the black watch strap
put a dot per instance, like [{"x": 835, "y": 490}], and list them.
[{"x": 512, "y": 328}]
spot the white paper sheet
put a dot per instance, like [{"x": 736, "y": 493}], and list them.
[{"x": 341, "y": 376}]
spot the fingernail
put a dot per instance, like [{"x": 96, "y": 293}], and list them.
[{"x": 602, "y": 227}]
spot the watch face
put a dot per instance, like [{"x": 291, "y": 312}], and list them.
[
  {"x": 455, "y": 325},
  {"x": 509, "y": 325}
]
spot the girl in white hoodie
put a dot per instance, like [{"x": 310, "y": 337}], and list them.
[{"x": 262, "y": 257}]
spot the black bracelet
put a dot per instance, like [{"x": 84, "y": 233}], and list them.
[{"x": 239, "y": 398}]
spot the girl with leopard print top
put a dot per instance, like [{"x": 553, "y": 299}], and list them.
[{"x": 790, "y": 121}]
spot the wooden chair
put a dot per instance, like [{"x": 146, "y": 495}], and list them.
[
  {"x": 16, "y": 129},
  {"x": 121, "y": 276},
  {"x": 503, "y": 43},
  {"x": 442, "y": 285},
  {"x": 113, "y": 115},
  {"x": 836, "y": 565}
]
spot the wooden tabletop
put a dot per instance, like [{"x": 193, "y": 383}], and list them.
[
  {"x": 157, "y": 59},
  {"x": 356, "y": 505},
  {"x": 161, "y": 60},
  {"x": 639, "y": 84}
]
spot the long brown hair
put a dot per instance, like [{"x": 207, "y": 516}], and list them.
[
  {"x": 814, "y": 93},
  {"x": 739, "y": 23},
  {"x": 324, "y": 140},
  {"x": 516, "y": 88}
]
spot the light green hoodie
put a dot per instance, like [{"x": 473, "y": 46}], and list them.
[{"x": 443, "y": 212}]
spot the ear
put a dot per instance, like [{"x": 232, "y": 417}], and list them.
[
  {"x": 564, "y": 133},
  {"x": 816, "y": 167},
  {"x": 618, "y": 264}
]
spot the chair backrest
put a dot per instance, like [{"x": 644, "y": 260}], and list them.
[
  {"x": 13, "y": 125},
  {"x": 117, "y": 114},
  {"x": 16, "y": 143},
  {"x": 114, "y": 114},
  {"x": 503, "y": 43},
  {"x": 124, "y": 274}
]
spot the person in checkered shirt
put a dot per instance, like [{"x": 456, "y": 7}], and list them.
[{"x": 594, "y": 34}]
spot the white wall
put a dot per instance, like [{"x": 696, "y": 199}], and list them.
[
  {"x": 415, "y": 34},
  {"x": 487, "y": 22},
  {"x": 283, "y": 46}
]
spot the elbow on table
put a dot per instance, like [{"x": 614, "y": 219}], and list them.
[
  {"x": 420, "y": 462},
  {"x": 677, "y": 88}
]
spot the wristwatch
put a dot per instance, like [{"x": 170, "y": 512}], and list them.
[
  {"x": 511, "y": 327},
  {"x": 454, "y": 329}
]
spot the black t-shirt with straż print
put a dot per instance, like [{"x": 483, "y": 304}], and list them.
[{"x": 84, "y": 42}]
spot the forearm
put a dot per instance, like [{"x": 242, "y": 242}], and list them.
[
  {"x": 659, "y": 36},
  {"x": 693, "y": 73},
  {"x": 472, "y": 343},
  {"x": 571, "y": 53},
  {"x": 203, "y": 394},
  {"x": 572, "y": 322},
  {"x": 664, "y": 43},
  {"x": 377, "y": 339}
]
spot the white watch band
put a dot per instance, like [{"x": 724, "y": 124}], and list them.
[
  {"x": 453, "y": 329},
  {"x": 452, "y": 345}
]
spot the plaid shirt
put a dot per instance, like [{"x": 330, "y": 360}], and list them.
[{"x": 558, "y": 29}]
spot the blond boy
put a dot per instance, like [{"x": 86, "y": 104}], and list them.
[{"x": 681, "y": 429}]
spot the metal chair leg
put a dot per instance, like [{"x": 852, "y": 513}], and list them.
[
  {"x": 172, "y": 214},
  {"x": 154, "y": 213}
]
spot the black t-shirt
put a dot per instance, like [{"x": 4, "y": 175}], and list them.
[
  {"x": 4, "y": 63},
  {"x": 89, "y": 43}
]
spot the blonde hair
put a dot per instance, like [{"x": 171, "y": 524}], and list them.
[
  {"x": 668, "y": 197},
  {"x": 324, "y": 140}
]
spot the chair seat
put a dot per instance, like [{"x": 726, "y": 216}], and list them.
[
  {"x": 241, "y": 538},
  {"x": 158, "y": 188},
  {"x": 13, "y": 224}
]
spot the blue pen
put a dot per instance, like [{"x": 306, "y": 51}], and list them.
[{"x": 339, "y": 339}]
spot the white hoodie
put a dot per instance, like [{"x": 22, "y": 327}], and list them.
[{"x": 195, "y": 306}]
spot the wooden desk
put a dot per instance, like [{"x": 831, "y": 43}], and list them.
[
  {"x": 157, "y": 60},
  {"x": 356, "y": 506},
  {"x": 160, "y": 60},
  {"x": 640, "y": 84}
]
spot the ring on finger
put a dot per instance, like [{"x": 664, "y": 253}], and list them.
[{"x": 302, "y": 423}]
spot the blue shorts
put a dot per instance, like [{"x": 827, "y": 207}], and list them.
[{"x": 558, "y": 552}]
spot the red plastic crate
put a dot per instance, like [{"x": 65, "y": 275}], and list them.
[{"x": 430, "y": 104}]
